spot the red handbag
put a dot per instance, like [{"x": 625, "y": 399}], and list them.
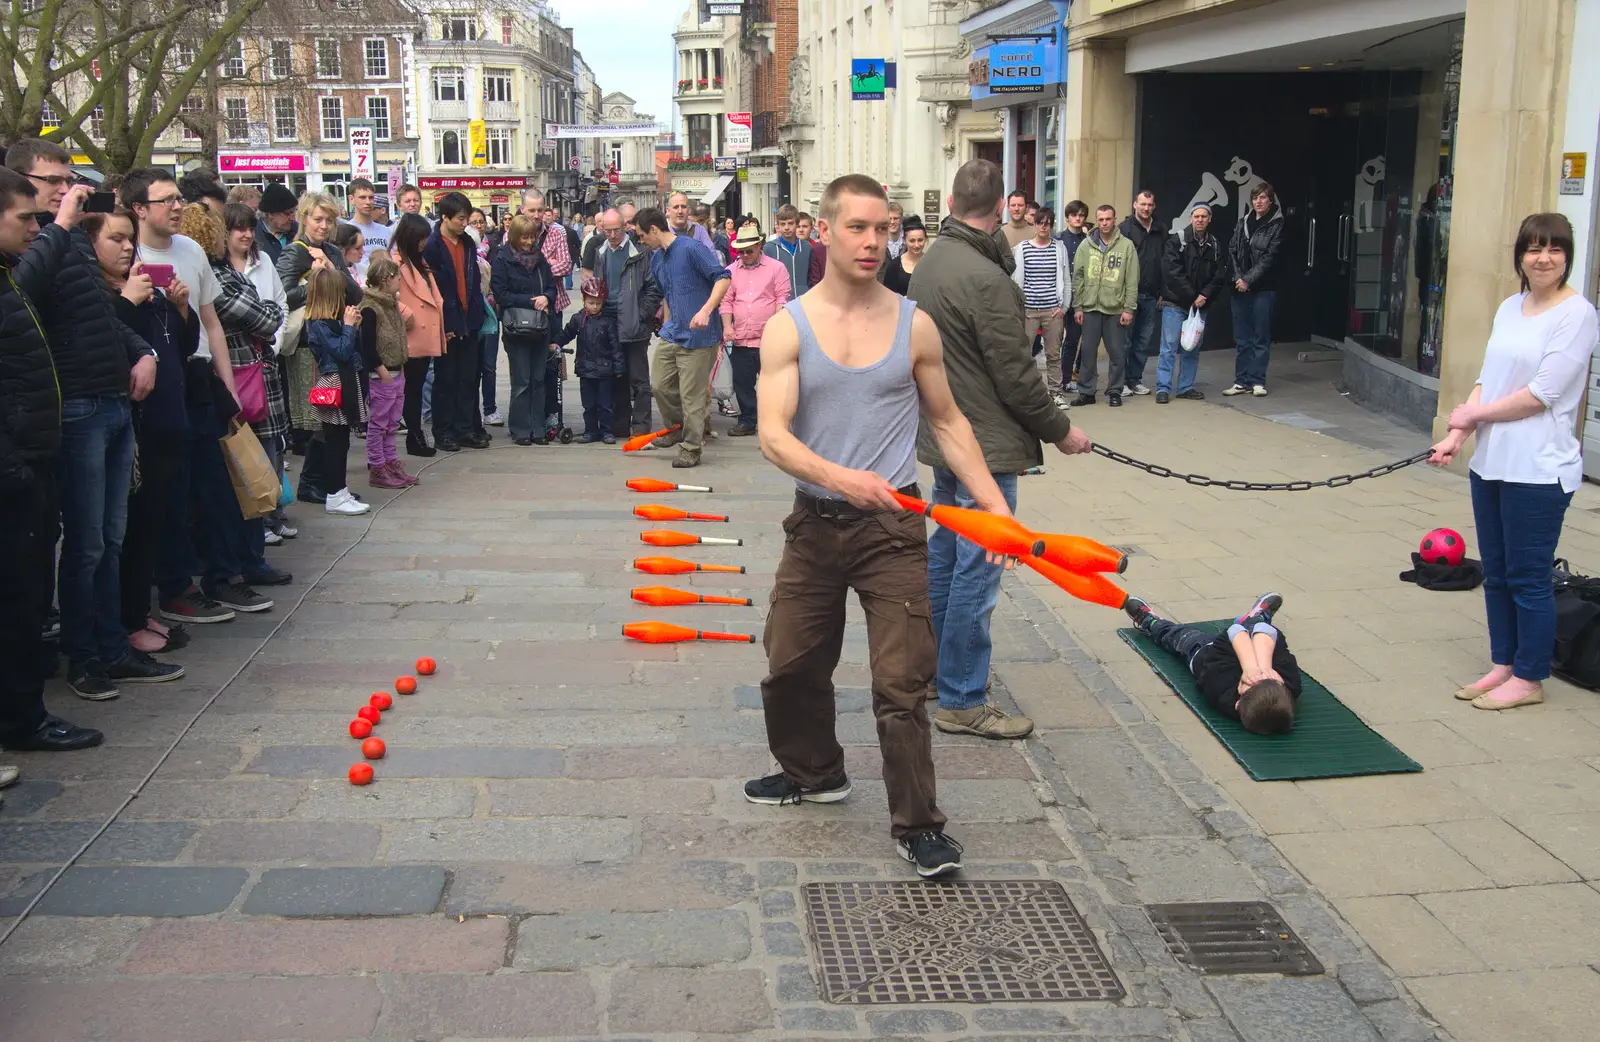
[{"x": 326, "y": 397}]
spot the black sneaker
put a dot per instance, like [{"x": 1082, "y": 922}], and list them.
[
  {"x": 89, "y": 681},
  {"x": 311, "y": 494},
  {"x": 776, "y": 790},
  {"x": 239, "y": 597},
  {"x": 1139, "y": 612},
  {"x": 269, "y": 577},
  {"x": 1192, "y": 395},
  {"x": 192, "y": 606},
  {"x": 1082, "y": 400},
  {"x": 1114, "y": 400},
  {"x": 139, "y": 668},
  {"x": 1264, "y": 608},
  {"x": 932, "y": 852},
  {"x": 54, "y": 735},
  {"x": 1162, "y": 397},
  {"x": 52, "y": 626}
]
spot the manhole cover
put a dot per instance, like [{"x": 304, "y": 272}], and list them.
[
  {"x": 993, "y": 941},
  {"x": 1232, "y": 937}
]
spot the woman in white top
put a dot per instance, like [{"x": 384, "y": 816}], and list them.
[{"x": 1528, "y": 463}]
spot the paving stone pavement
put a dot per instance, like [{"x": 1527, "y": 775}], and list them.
[{"x": 556, "y": 847}]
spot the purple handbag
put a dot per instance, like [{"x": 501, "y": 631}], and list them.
[{"x": 250, "y": 388}]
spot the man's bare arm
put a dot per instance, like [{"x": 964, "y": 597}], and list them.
[
  {"x": 777, "y": 398},
  {"x": 950, "y": 426}
]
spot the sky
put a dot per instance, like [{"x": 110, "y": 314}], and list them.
[{"x": 628, "y": 44}]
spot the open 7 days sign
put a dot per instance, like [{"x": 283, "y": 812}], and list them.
[{"x": 362, "y": 160}]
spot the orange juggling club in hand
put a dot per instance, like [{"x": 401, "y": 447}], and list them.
[
  {"x": 664, "y": 633},
  {"x": 637, "y": 443},
  {"x": 1004, "y": 535},
  {"x": 677, "y": 566},
  {"x": 655, "y": 512},
  {"x": 1096, "y": 589},
  {"x": 1078, "y": 554},
  {"x": 652, "y": 485},
  {"x": 663, "y": 537},
  {"x": 666, "y": 596}
]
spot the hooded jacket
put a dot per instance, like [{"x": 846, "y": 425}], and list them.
[
  {"x": 94, "y": 350},
  {"x": 1105, "y": 276},
  {"x": 755, "y": 295},
  {"x": 639, "y": 297},
  {"x": 1192, "y": 268},
  {"x": 1063, "y": 270},
  {"x": 30, "y": 401},
  {"x": 964, "y": 284},
  {"x": 797, "y": 264},
  {"x": 1149, "y": 245},
  {"x": 1253, "y": 249},
  {"x": 269, "y": 244}
]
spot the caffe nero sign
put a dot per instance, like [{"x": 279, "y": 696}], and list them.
[{"x": 1017, "y": 68}]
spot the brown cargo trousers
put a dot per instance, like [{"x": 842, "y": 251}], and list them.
[{"x": 884, "y": 558}]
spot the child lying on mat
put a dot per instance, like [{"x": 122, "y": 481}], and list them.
[{"x": 1247, "y": 673}]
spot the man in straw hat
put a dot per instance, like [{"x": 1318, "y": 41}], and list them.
[{"x": 760, "y": 290}]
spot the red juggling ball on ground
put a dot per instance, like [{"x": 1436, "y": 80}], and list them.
[
  {"x": 373, "y": 748},
  {"x": 360, "y": 728},
  {"x": 381, "y": 700},
  {"x": 370, "y": 714},
  {"x": 426, "y": 666},
  {"x": 406, "y": 685},
  {"x": 360, "y": 773}
]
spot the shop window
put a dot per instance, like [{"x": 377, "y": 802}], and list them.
[
  {"x": 332, "y": 118},
  {"x": 280, "y": 60},
  {"x": 236, "y": 119},
  {"x": 449, "y": 84},
  {"x": 376, "y": 52},
  {"x": 378, "y": 113},
  {"x": 327, "y": 59},
  {"x": 285, "y": 125}
]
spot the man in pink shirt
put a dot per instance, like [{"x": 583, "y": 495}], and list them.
[{"x": 760, "y": 290}]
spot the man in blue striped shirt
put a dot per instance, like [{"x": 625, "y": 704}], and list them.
[{"x": 1043, "y": 273}]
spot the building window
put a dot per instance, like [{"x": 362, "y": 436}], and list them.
[
  {"x": 280, "y": 63},
  {"x": 449, "y": 84},
  {"x": 327, "y": 59},
  {"x": 97, "y": 122},
  {"x": 716, "y": 63},
  {"x": 195, "y": 109},
  {"x": 616, "y": 156},
  {"x": 332, "y": 118},
  {"x": 699, "y": 132},
  {"x": 447, "y": 148},
  {"x": 285, "y": 127},
  {"x": 496, "y": 84},
  {"x": 499, "y": 142},
  {"x": 183, "y": 55},
  {"x": 48, "y": 117},
  {"x": 459, "y": 27},
  {"x": 233, "y": 61},
  {"x": 507, "y": 24},
  {"x": 236, "y": 119},
  {"x": 378, "y": 112},
  {"x": 377, "y": 55}
]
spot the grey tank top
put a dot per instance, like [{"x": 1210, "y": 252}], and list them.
[{"x": 864, "y": 419}]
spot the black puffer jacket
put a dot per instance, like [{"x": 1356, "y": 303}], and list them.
[
  {"x": 30, "y": 403},
  {"x": 1253, "y": 249},
  {"x": 1192, "y": 268},
  {"x": 1149, "y": 245},
  {"x": 93, "y": 348}
]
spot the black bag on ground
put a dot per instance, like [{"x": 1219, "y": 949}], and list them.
[
  {"x": 1468, "y": 575},
  {"x": 1577, "y": 654}
]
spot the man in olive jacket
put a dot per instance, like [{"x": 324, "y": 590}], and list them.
[{"x": 964, "y": 284}]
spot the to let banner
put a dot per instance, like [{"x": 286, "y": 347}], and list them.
[{"x": 737, "y": 131}]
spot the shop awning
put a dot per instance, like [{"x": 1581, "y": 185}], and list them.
[{"x": 715, "y": 191}]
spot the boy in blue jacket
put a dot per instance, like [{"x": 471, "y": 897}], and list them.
[{"x": 599, "y": 361}]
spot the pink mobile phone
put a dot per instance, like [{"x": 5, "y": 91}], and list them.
[{"x": 160, "y": 275}]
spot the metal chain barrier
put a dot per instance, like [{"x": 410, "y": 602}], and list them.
[{"x": 1258, "y": 486}]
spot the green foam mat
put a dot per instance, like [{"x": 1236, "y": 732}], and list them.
[{"x": 1328, "y": 739}]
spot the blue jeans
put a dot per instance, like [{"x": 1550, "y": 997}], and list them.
[
  {"x": 96, "y": 467},
  {"x": 1140, "y": 334},
  {"x": 596, "y": 393},
  {"x": 1519, "y": 526},
  {"x": 1172, "y": 353},
  {"x": 491, "y": 356},
  {"x": 963, "y": 588},
  {"x": 1252, "y": 336}
]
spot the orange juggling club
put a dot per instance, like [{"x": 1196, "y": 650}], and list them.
[
  {"x": 1096, "y": 589},
  {"x": 655, "y": 512},
  {"x": 666, "y": 596},
  {"x": 652, "y": 485},
  {"x": 664, "y": 633},
  {"x": 676, "y": 566},
  {"x": 1004, "y": 535},
  {"x": 663, "y": 537},
  {"x": 635, "y": 444}
]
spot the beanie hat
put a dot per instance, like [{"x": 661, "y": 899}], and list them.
[
  {"x": 1202, "y": 206},
  {"x": 276, "y": 199}
]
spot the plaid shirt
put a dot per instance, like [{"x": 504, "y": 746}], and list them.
[
  {"x": 249, "y": 323},
  {"x": 560, "y": 258}
]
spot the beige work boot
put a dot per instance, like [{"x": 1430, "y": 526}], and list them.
[
  {"x": 687, "y": 457},
  {"x": 985, "y": 721}
]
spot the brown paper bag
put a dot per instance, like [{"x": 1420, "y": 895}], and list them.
[{"x": 254, "y": 483}]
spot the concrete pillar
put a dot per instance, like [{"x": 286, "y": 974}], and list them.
[
  {"x": 1101, "y": 110},
  {"x": 1008, "y": 148},
  {"x": 1514, "y": 65}
]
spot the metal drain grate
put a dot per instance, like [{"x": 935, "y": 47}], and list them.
[
  {"x": 1130, "y": 550},
  {"x": 1232, "y": 937},
  {"x": 992, "y": 941}
]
